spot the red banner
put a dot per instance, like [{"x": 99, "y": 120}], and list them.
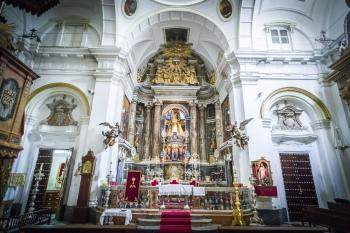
[
  {"x": 267, "y": 191},
  {"x": 132, "y": 188}
]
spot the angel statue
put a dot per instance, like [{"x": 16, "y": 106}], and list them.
[
  {"x": 110, "y": 135},
  {"x": 238, "y": 133}
]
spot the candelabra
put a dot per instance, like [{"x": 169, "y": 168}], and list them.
[
  {"x": 108, "y": 190},
  {"x": 37, "y": 177},
  {"x": 255, "y": 218},
  {"x": 237, "y": 211}
]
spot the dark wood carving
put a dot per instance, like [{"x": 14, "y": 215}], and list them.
[
  {"x": 15, "y": 81},
  {"x": 81, "y": 211},
  {"x": 298, "y": 183}
]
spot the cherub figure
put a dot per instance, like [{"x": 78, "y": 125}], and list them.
[
  {"x": 241, "y": 139},
  {"x": 110, "y": 135}
]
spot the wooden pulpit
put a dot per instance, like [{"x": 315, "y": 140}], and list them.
[{"x": 81, "y": 211}]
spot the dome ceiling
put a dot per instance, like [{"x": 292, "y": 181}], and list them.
[{"x": 206, "y": 39}]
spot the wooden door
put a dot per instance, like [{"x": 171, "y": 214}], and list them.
[
  {"x": 298, "y": 183},
  {"x": 45, "y": 158}
]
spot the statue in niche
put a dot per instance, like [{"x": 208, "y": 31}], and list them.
[
  {"x": 61, "y": 112},
  {"x": 175, "y": 122},
  {"x": 212, "y": 78},
  {"x": 174, "y": 135},
  {"x": 288, "y": 117},
  {"x": 211, "y": 140}
]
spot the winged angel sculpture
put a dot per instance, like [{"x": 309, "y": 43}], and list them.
[
  {"x": 111, "y": 134},
  {"x": 238, "y": 133}
]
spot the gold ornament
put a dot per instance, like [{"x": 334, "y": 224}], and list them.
[{"x": 176, "y": 68}]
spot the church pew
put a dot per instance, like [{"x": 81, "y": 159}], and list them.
[{"x": 333, "y": 220}]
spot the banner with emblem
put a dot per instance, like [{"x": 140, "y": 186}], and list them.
[
  {"x": 9, "y": 92},
  {"x": 132, "y": 186}
]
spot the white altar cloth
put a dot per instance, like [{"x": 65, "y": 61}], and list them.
[
  {"x": 199, "y": 191},
  {"x": 175, "y": 189},
  {"x": 117, "y": 213}
]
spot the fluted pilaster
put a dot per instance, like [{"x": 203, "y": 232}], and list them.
[
  {"x": 202, "y": 144},
  {"x": 193, "y": 128},
  {"x": 156, "y": 130},
  {"x": 131, "y": 124},
  {"x": 218, "y": 124},
  {"x": 147, "y": 132}
]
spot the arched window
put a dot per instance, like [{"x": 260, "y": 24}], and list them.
[{"x": 71, "y": 33}]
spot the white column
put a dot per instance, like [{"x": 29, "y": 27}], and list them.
[
  {"x": 332, "y": 170},
  {"x": 106, "y": 107},
  {"x": 24, "y": 161},
  {"x": 80, "y": 151},
  {"x": 237, "y": 114}
]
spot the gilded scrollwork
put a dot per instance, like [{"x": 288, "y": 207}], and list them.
[
  {"x": 61, "y": 112},
  {"x": 175, "y": 65}
]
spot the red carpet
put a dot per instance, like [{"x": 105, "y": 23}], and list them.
[{"x": 174, "y": 221}]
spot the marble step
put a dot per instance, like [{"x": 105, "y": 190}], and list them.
[
  {"x": 209, "y": 228},
  {"x": 156, "y": 221}
]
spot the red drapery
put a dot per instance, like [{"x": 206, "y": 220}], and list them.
[{"x": 132, "y": 186}]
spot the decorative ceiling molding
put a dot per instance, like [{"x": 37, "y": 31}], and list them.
[
  {"x": 285, "y": 90},
  {"x": 179, "y": 3}
]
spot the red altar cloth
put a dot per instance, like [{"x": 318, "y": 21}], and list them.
[
  {"x": 267, "y": 191},
  {"x": 154, "y": 182},
  {"x": 132, "y": 186}
]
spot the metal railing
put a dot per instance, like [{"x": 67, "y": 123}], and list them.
[{"x": 15, "y": 224}]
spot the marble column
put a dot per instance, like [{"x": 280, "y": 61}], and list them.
[
  {"x": 218, "y": 124},
  {"x": 202, "y": 144},
  {"x": 193, "y": 128},
  {"x": 131, "y": 124},
  {"x": 147, "y": 132},
  {"x": 156, "y": 130}
]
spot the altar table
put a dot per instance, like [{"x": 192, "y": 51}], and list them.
[
  {"x": 175, "y": 189},
  {"x": 117, "y": 213}
]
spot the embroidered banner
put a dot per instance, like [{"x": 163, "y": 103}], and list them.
[
  {"x": 132, "y": 188},
  {"x": 267, "y": 191}
]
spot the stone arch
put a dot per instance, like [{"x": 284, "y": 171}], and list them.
[
  {"x": 316, "y": 109},
  {"x": 43, "y": 92},
  {"x": 215, "y": 28},
  {"x": 178, "y": 106}
]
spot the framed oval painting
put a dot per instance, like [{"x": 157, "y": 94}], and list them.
[
  {"x": 130, "y": 7},
  {"x": 225, "y": 9}
]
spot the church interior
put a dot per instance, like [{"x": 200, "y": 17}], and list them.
[{"x": 174, "y": 116}]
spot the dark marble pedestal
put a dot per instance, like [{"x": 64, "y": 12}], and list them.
[{"x": 273, "y": 217}]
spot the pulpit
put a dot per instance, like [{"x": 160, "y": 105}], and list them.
[{"x": 15, "y": 81}]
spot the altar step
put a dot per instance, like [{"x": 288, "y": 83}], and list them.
[
  {"x": 213, "y": 228},
  {"x": 195, "y": 221}
]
